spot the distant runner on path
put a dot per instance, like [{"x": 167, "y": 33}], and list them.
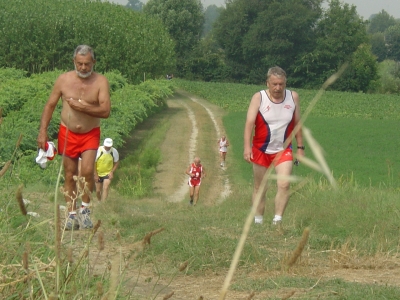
[
  {"x": 196, "y": 172},
  {"x": 223, "y": 148}
]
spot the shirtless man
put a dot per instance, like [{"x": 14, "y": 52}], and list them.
[{"x": 85, "y": 100}]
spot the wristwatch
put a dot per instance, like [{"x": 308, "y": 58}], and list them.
[{"x": 301, "y": 147}]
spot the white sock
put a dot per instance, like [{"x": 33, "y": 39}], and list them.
[
  {"x": 258, "y": 219},
  {"x": 277, "y": 218}
]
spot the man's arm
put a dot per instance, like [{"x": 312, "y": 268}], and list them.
[
  {"x": 187, "y": 172},
  {"x": 111, "y": 174},
  {"x": 48, "y": 111},
  {"x": 299, "y": 133},
  {"x": 98, "y": 111},
  {"x": 115, "y": 166},
  {"x": 249, "y": 125}
]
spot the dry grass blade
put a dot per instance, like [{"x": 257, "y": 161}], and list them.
[
  {"x": 300, "y": 247},
  {"x": 70, "y": 255},
  {"x": 147, "y": 239},
  {"x": 5, "y": 168},
  {"x": 310, "y": 163},
  {"x": 19, "y": 141},
  {"x": 58, "y": 231},
  {"x": 243, "y": 237},
  {"x": 100, "y": 289},
  {"x": 251, "y": 296},
  {"x": 25, "y": 263},
  {"x": 114, "y": 275},
  {"x": 100, "y": 240},
  {"x": 288, "y": 295},
  {"x": 318, "y": 153},
  {"x": 168, "y": 296},
  {"x": 97, "y": 226},
  {"x": 287, "y": 178},
  {"x": 321, "y": 91},
  {"x": 20, "y": 200},
  {"x": 183, "y": 266}
]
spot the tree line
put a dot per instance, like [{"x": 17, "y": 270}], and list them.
[
  {"x": 246, "y": 37},
  {"x": 236, "y": 43}
]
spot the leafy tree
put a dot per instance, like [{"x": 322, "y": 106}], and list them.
[
  {"x": 338, "y": 35},
  {"x": 206, "y": 63},
  {"x": 389, "y": 77},
  {"x": 211, "y": 14},
  {"x": 378, "y": 45},
  {"x": 392, "y": 35},
  {"x": 183, "y": 19},
  {"x": 380, "y": 22},
  {"x": 256, "y": 34},
  {"x": 135, "y": 5},
  {"x": 362, "y": 72}
]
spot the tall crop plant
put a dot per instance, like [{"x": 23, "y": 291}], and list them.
[{"x": 40, "y": 35}]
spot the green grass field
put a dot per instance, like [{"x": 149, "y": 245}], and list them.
[
  {"x": 358, "y": 132},
  {"x": 352, "y": 228}
]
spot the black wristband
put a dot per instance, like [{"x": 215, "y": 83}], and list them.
[{"x": 301, "y": 147}]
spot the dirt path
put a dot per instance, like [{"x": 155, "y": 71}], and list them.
[{"x": 194, "y": 130}]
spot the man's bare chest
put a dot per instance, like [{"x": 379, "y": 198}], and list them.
[{"x": 85, "y": 91}]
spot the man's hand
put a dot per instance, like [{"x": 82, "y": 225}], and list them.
[
  {"x": 42, "y": 140},
  {"x": 248, "y": 155},
  {"x": 75, "y": 104}
]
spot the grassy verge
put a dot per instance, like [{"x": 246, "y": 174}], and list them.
[{"x": 354, "y": 227}]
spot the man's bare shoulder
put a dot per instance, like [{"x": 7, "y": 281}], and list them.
[
  {"x": 295, "y": 95},
  {"x": 67, "y": 76},
  {"x": 256, "y": 96},
  {"x": 100, "y": 77}
]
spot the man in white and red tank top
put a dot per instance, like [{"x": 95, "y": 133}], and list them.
[
  {"x": 196, "y": 172},
  {"x": 273, "y": 114}
]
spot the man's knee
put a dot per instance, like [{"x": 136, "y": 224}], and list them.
[{"x": 284, "y": 186}]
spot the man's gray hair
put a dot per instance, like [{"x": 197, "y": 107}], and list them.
[
  {"x": 83, "y": 50},
  {"x": 276, "y": 71}
]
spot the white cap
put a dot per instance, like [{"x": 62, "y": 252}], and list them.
[{"x": 108, "y": 142}]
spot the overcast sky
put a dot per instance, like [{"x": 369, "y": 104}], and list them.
[{"x": 365, "y": 8}]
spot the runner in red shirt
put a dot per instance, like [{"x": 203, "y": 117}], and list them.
[{"x": 196, "y": 172}]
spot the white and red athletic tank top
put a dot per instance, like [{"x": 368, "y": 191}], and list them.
[
  {"x": 196, "y": 171},
  {"x": 274, "y": 123},
  {"x": 222, "y": 146}
]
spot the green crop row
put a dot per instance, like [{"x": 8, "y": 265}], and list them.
[
  {"x": 41, "y": 35},
  {"x": 236, "y": 97}
]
